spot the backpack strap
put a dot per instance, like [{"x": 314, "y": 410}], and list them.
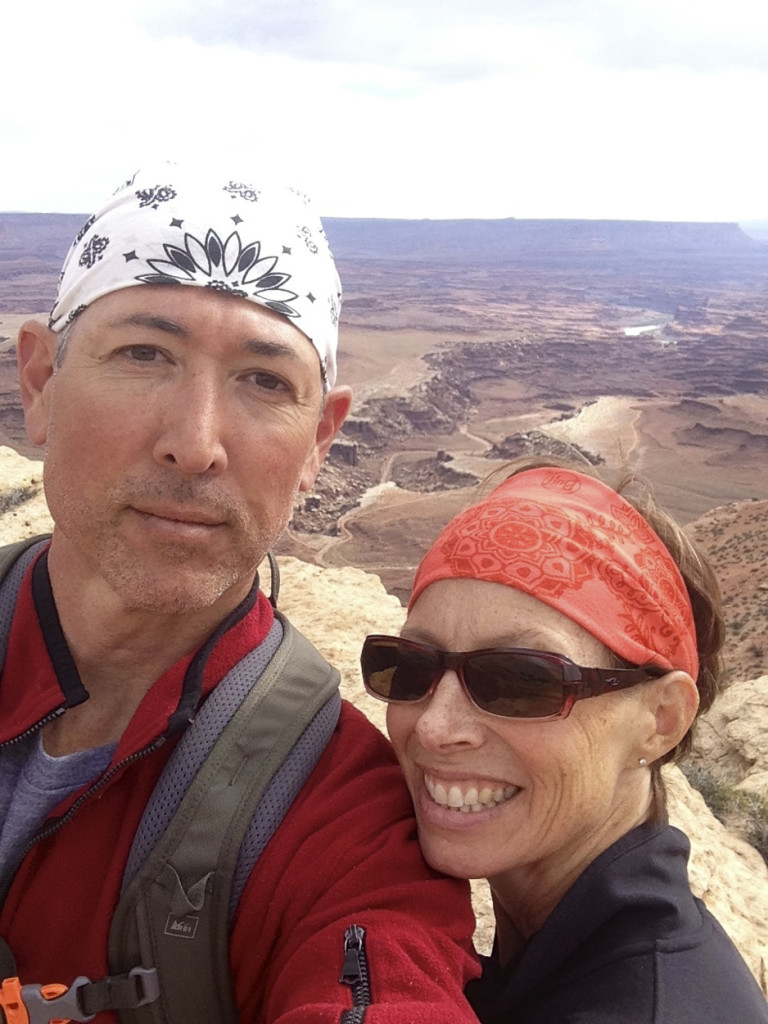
[
  {"x": 176, "y": 908},
  {"x": 9, "y": 553},
  {"x": 15, "y": 559}
]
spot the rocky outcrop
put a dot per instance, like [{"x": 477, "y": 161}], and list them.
[
  {"x": 536, "y": 442},
  {"x": 735, "y": 538},
  {"x": 700, "y": 434},
  {"x": 731, "y": 736},
  {"x": 727, "y": 873},
  {"x": 337, "y": 608},
  {"x": 23, "y": 511}
]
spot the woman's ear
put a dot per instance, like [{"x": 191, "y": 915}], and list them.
[
  {"x": 35, "y": 355},
  {"x": 673, "y": 700}
]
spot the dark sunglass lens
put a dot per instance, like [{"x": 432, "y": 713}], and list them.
[
  {"x": 515, "y": 685},
  {"x": 396, "y": 671}
]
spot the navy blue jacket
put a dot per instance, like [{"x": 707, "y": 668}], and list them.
[{"x": 627, "y": 944}]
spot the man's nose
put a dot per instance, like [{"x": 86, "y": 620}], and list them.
[
  {"x": 449, "y": 718},
  {"x": 193, "y": 420}
]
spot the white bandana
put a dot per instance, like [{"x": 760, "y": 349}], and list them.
[{"x": 179, "y": 225}]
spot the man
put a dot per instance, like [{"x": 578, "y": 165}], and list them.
[{"x": 184, "y": 392}]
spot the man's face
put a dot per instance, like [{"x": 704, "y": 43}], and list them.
[{"x": 179, "y": 429}]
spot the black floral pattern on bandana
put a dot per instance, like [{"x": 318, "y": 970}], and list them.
[
  {"x": 93, "y": 251},
  {"x": 238, "y": 189},
  {"x": 73, "y": 313},
  {"x": 154, "y": 196},
  {"x": 85, "y": 229},
  {"x": 225, "y": 265},
  {"x": 309, "y": 241}
]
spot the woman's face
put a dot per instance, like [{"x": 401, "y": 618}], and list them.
[{"x": 553, "y": 794}]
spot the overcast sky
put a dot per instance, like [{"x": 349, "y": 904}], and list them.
[{"x": 638, "y": 109}]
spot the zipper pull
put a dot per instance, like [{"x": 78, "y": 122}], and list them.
[{"x": 352, "y": 970}]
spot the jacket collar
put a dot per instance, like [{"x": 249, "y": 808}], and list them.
[{"x": 40, "y": 679}]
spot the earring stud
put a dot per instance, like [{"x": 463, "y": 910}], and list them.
[{"x": 642, "y": 762}]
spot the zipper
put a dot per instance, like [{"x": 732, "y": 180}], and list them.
[
  {"x": 54, "y": 825},
  {"x": 50, "y": 717},
  {"x": 354, "y": 973}
]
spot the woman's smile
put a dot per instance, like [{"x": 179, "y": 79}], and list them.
[{"x": 468, "y": 797}]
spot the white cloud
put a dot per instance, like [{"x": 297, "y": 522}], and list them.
[
  {"x": 433, "y": 109},
  {"x": 492, "y": 34}
]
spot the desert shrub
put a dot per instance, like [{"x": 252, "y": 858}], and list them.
[
  {"x": 15, "y": 496},
  {"x": 742, "y": 812}
]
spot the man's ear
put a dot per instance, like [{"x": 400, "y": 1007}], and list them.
[
  {"x": 337, "y": 405},
  {"x": 35, "y": 355},
  {"x": 673, "y": 701}
]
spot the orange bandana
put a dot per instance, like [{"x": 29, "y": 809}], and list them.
[{"x": 574, "y": 543}]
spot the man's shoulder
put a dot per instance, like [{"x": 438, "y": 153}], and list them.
[
  {"x": 358, "y": 766},
  {"x": 355, "y": 726}
]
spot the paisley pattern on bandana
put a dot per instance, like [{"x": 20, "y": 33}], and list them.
[
  {"x": 154, "y": 196},
  {"x": 93, "y": 251},
  {"x": 177, "y": 225},
  {"x": 575, "y": 544},
  {"x": 84, "y": 230},
  {"x": 238, "y": 188}
]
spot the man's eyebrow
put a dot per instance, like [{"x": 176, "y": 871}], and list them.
[
  {"x": 153, "y": 322},
  {"x": 255, "y": 346},
  {"x": 274, "y": 349}
]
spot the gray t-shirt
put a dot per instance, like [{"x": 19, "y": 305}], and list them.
[{"x": 32, "y": 783}]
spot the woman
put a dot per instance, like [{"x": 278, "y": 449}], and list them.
[{"x": 589, "y": 636}]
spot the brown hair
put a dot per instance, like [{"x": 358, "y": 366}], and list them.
[{"x": 698, "y": 576}]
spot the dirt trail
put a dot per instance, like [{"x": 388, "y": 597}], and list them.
[
  {"x": 486, "y": 445},
  {"x": 411, "y": 453}
]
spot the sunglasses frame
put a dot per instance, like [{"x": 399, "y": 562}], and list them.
[{"x": 578, "y": 683}]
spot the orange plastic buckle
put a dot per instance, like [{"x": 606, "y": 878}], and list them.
[{"x": 12, "y": 1001}]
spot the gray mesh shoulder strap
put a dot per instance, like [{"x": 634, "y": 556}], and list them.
[
  {"x": 222, "y": 795},
  {"x": 15, "y": 559}
]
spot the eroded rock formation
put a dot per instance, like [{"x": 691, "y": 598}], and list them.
[{"x": 731, "y": 736}]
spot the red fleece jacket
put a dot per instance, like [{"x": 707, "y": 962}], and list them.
[{"x": 346, "y": 853}]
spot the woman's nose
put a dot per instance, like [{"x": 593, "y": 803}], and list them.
[{"x": 449, "y": 718}]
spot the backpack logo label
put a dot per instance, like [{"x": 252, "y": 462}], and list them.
[{"x": 181, "y": 927}]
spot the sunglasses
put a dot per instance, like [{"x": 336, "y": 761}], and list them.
[{"x": 509, "y": 682}]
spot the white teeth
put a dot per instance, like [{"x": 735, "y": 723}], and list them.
[
  {"x": 455, "y": 797},
  {"x": 470, "y": 800}
]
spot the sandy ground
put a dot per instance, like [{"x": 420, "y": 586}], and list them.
[{"x": 650, "y": 438}]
